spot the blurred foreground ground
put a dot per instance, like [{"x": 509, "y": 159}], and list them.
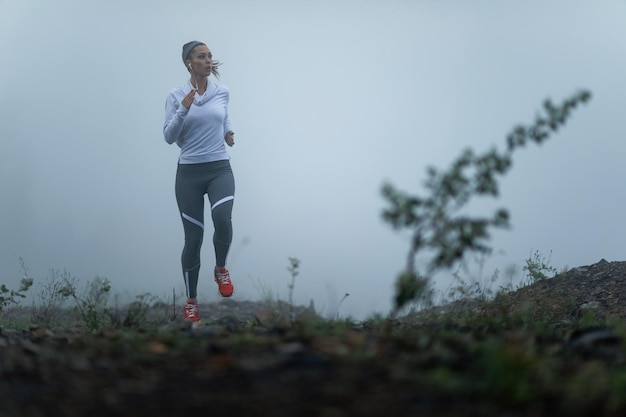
[{"x": 553, "y": 348}]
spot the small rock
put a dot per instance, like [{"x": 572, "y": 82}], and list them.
[
  {"x": 157, "y": 347},
  {"x": 587, "y": 339},
  {"x": 29, "y": 346},
  {"x": 290, "y": 348},
  {"x": 577, "y": 272},
  {"x": 269, "y": 317},
  {"x": 591, "y": 305},
  {"x": 41, "y": 332}
]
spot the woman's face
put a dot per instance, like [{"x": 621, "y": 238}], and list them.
[{"x": 201, "y": 61}]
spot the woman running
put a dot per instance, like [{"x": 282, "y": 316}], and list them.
[{"x": 196, "y": 119}]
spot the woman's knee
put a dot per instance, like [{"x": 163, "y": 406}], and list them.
[{"x": 222, "y": 213}]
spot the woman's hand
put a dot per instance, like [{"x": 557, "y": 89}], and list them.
[
  {"x": 230, "y": 138},
  {"x": 188, "y": 100}
]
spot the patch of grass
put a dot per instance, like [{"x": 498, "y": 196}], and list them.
[
  {"x": 538, "y": 267},
  {"x": 92, "y": 304},
  {"x": 49, "y": 301}
]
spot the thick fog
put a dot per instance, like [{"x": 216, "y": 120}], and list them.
[{"x": 329, "y": 99}]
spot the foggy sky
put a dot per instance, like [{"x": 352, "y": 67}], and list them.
[{"x": 329, "y": 99}]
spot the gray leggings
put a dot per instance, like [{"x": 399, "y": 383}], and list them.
[{"x": 193, "y": 181}]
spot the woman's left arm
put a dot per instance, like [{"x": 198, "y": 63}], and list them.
[{"x": 229, "y": 136}]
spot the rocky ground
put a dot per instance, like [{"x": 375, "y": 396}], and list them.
[
  {"x": 552, "y": 348},
  {"x": 599, "y": 288}
]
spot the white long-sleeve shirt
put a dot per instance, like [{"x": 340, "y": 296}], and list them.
[{"x": 199, "y": 131}]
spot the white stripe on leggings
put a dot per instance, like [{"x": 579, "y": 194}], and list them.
[
  {"x": 186, "y": 274},
  {"x": 223, "y": 200},
  {"x": 192, "y": 220}
]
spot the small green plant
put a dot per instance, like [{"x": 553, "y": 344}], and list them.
[
  {"x": 294, "y": 270},
  {"x": 469, "y": 288},
  {"x": 8, "y": 296},
  {"x": 412, "y": 288},
  {"x": 48, "y": 301},
  {"x": 137, "y": 314},
  {"x": 174, "y": 305},
  {"x": 92, "y": 304},
  {"x": 471, "y": 285},
  {"x": 346, "y": 295},
  {"x": 538, "y": 267},
  {"x": 268, "y": 295},
  {"x": 439, "y": 225}
]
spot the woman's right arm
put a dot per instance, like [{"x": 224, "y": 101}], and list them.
[{"x": 174, "y": 117}]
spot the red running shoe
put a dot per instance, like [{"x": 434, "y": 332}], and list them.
[
  {"x": 225, "y": 286},
  {"x": 191, "y": 312}
]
